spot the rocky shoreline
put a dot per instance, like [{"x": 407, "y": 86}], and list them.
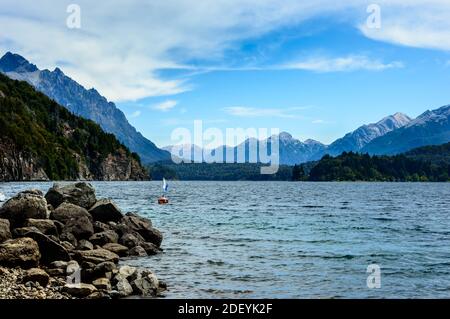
[{"x": 68, "y": 244}]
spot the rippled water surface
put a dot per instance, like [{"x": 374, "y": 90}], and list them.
[{"x": 293, "y": 240}]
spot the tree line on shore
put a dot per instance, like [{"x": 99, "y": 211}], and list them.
[{"x": 424, "y": 164}]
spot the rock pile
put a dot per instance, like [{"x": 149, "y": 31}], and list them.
[{"x": 68, "y": 244}]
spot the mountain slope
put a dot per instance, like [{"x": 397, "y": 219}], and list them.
[
  {"x": 86, "y": 103},
  {"x": 356, "y": 140},
  {"x": 40, "y": 140},
  {"x": 430, "y": 128}
]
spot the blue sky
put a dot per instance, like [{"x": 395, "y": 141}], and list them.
[{"x": 311, "y": 68}]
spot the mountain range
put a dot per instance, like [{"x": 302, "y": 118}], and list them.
[
  {"x": 85, "y": 103},
  {"x": 393, "y": 134}
]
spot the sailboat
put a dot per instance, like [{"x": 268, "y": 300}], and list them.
[
  {"x": 163, "y": 199},
  {"x": 2, "y": 197}
]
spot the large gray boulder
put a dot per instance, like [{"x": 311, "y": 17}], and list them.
[
  {"x": 81, "y": 194},
  {"x": 105, "y": 210},
  {"x": 5, "y": 232},
  {"x": 68, "y": 211},
  {"x": 24, "y": 206},
  {"x": 19, "y": 252},
  {"x": 80, "y": 227},
  {"x": 50, "y": 250}
]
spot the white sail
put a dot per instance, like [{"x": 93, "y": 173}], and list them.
[{"x": 165, "y": 185}]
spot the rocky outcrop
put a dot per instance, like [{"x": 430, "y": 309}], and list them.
[
  {"x": 66, "y": 249},
  {"x": 120, "y": 167},
  {"x": 18, "y": 165}
]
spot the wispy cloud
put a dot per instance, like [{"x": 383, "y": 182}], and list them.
[
  {"x": 134, "y": 114},
  {"x": 341, "y": 64},
  {"x": 165, "y": 106},
  {"x": 416, "y": 23},
  {"x": 243, "y": 111},
  {"x": 123, "y": 60}
]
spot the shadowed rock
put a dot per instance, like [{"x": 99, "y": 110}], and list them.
[
  {"x": 50, "y": 249},
  {"x": 45, "y": 226},
  {"x": 105, "y": 210},
  {"x": 80, "y": 227}
]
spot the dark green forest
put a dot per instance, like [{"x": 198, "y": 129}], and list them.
[
  {"x": 36, "y": 125},
  {"x": 363, "y": 167}
]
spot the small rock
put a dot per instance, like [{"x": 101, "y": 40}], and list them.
[
  {"x": 97, "y": 256},
  {"x": 102, "y": 283},
  {"x": 37, "y": 275},
  {"x": 101, "y": 227},
  {"x": 79, "y": 290},
  {"x": 123, "y": 286},
  {"x": 137, "y": 251},
  {"x": 85, "y": 245},
  {"x": 99, "y": 295},
  {"x": 106, "y": 237},
  {"x": 131, "y": 240},
  {"x": 118, "y": 249}
]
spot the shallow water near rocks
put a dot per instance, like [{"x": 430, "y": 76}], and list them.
[{"x": 292, "y": 240}]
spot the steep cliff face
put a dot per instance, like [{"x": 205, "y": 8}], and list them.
[
  {"x": 40, "y": 140},
  {"x": 17, "y": 165},
  {"x": 121, "y": 167}
]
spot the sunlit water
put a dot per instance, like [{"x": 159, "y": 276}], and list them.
[{"x": 292, "y": 240}]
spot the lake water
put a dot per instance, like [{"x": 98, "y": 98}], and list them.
[{"x": 292, "y": 240}]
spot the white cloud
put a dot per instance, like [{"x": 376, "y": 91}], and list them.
[
  {"x": 165, "y": 106},
  {"x": 123, "y": 45},
  {"x": 134, "y": 114},
  {"x": 416, "y": 23},
  {"x": 243, "y": 111},
  {"x": 340, "y": 64}
]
